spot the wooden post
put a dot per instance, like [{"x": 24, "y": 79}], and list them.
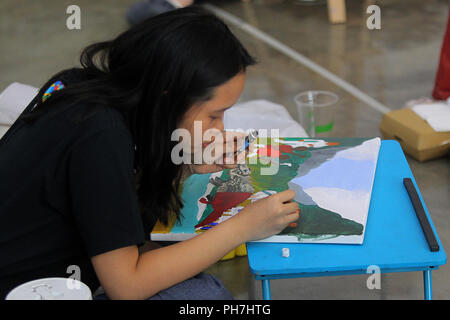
[{"x": 336, "y": 11}]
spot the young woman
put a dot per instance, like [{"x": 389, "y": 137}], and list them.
[{"x": 86, "y": 170}]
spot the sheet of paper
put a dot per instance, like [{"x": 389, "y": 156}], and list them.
[
  {"x": 13, "y": 100},
  {"x": 436, "y": 114}
]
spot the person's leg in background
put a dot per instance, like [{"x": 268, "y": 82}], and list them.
[{"x": 441, "y": 89}]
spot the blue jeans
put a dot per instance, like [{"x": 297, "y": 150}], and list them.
[{"x": 201, "y": 287}]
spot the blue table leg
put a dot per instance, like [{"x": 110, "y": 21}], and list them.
[
  {"x": 427, "y": 285},
  {"x": 266, "y": 289}
]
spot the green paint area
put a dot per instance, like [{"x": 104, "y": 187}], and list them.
[
  {"x": 289, "y": 163},
  {"x": 315, "y": 221},
  {"x": 286, "y": 173}
]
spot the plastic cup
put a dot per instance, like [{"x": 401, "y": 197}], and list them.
[{"x": 316, "y": 111}]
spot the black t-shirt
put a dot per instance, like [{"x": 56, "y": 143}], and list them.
[{"x": 67, "y": 193}]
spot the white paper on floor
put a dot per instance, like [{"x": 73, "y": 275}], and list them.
[
  {"x": 436, "y": 114},
  {"x": 13, "y": 100},
  {"x": 262, "y": 114}
]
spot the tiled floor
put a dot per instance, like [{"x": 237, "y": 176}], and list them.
[{"x": 392, "y": 65}]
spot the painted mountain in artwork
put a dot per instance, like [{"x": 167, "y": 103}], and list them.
[{"x": 333, "y": 186}]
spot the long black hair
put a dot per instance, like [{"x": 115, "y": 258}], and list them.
[{"x": 153, "y": 73}]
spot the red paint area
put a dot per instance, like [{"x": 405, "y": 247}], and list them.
[
  {"x": 222, "y": 202},
  {"x": 285, "y": 148},
  {"x": 332, "y": 143},
  {"x": 269, "y": 151}
]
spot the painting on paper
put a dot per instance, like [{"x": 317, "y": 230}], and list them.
[{"x": 332, "y": 178}]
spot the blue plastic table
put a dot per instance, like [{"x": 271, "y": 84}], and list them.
[{"x": 394, "y": 240}]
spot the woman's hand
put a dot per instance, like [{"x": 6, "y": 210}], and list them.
[{"x": 267, "y": 216}]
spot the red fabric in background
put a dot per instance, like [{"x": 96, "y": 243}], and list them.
[{"x": 441, "y": 89}]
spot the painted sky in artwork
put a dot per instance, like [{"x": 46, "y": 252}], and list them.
[
  {"x": 343, "y": 183},
  {"x": 335, "y": 174}
]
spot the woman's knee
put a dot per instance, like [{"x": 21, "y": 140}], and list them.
[{"x": 201, "y": 287}]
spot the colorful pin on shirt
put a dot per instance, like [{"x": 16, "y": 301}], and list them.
[{"x": 58, "y": 85}]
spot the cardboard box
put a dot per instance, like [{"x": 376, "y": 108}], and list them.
[{"x": 415, "y": 135}]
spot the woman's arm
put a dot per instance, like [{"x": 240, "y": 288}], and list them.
[{"x": 124, "y": 274}]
